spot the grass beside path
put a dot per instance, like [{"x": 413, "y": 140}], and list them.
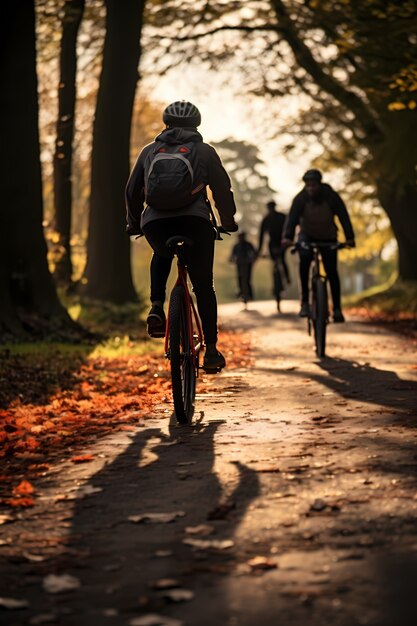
[
  {"x": 393, "y": 305},
  {"x": 392, "y": 301}
]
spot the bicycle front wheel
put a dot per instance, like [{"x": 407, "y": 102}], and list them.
[
  {"x": 183, "y": 366},
  {"x": 320, "y": 312}
]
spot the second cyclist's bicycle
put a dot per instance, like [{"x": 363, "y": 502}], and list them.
[{"x": 318, "y": 316}]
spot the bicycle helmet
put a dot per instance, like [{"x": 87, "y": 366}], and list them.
[
  {"x": 181, "y": 113},
  {"x": 312, "y": 175}
]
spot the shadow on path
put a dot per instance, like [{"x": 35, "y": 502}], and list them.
[
  {"x": 118, "y": 560},
  {"x": 358, "y": 381}
]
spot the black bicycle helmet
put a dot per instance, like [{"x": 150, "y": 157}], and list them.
[
  {"x": 181, "y": 113},
  {"x": 312, "y": 175}
]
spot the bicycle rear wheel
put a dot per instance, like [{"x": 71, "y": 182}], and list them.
[
  {"x": 320, "y": 315},
  {"x": 183, "y": 366}
]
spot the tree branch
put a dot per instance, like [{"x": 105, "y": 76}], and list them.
[
  {"x": 214, "y": 31},
  {"x": 286, "y": 27}
]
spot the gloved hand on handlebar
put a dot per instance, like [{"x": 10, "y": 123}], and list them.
[
  {"x": 134, "y": 231},
  {"x": 230, "y": 228}
]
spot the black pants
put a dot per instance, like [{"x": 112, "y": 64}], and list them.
[
  {"x": 244, "y": 279},
  {"x": 200, "y": 258},
  {"x": 277, "y": 253},
  {"x": 330, "y": 265}
]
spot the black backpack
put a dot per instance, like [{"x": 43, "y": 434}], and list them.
[{"x": 172, "y": 176}]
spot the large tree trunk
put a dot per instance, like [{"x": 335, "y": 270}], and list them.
[
  {"x": 73, "y": 12},
  {"x": 108, "y": 271},
  {"x": 400, "y": 204},
  {"x": 27, "y": 294}
]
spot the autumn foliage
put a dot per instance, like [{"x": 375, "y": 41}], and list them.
[{"x": 54, "y": 406}]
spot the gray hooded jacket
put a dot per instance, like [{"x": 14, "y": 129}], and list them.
[{"x": 213, "y": 173}]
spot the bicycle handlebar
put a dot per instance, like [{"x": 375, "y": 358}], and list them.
[{"x": 310, "y": 245}]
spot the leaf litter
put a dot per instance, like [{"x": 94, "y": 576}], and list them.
[{"x": 52, "y": 406}]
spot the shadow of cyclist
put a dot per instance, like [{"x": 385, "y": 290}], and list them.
[
  {"x": 158, "y": 472},
  {"x": 361, "y": 381}
]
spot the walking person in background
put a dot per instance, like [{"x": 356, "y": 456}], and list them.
[
  {"x": 166, "y": 196},
  {"x": 314, "y": 210},
  {"x": 244, "y": 255},
  {"x": 273, "y": 225}
]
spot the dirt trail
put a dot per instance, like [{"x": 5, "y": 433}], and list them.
[{"x": 293, "y": 497}]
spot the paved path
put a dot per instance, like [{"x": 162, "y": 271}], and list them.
[{"x": 293, "y": 498}]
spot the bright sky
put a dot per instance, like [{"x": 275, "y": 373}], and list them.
[{"x": 224, "y": 115}]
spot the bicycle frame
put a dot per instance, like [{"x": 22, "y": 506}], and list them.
[
  {"x": 316, "y": 275},
  {"x": 193, "y": 321}
]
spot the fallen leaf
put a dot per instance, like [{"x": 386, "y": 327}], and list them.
[
  {"x": 58, "y": 584},
  {"x": 82, "y": 458},
  {"x": 13, "y": 604},
  {"x": 152, "y": 619},
  {"x": 4, "y": 519},
  {"x": 201, "y": 529},
  {"x": 23, "y": 488},
  {"x": 204, "y": 544},
  {"x": 259, "y": 563},
  {"x": 178, "y": 595},
  {"x": 163, "y": 553},
  {"x": 156, "y": 518},
  {"x": 165, "y": 583},
  {"x": 20, "y": 502},
  {"x": 34, "y": 558}
]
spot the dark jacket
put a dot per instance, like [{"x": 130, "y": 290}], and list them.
[
  {"x": 273, "y": 224},
  {"x": 243, "y": 253},
  {"x": 315, "y": 216},
  {"x": 213, "y": 174}
]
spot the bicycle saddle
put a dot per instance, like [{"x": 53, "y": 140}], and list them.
[{"x": 177, "y": 239}]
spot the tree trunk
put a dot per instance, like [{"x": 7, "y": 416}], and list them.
[
  {"x": 400, "y": 204},
  {"x": 108, "y": 271},
  {"x": 27, "y": 294},
  {"x": 73, "y": 12}
]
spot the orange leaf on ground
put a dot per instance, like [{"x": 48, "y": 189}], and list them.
[
  {"x": 21, "y": 502},
  {"x": 23, "y": 488},
  {"x": 82, "y": 458}
]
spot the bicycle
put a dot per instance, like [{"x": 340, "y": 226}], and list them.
[
  {"x": 277, "y": 280},
  {"x": 318, "y": 316},
  {"x": 183, "y": 336},
  {"x": 278, "y": 286},
  {"x": 244, "y": 272}
]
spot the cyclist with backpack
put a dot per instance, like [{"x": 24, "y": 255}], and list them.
[
  {"x": 166, "y": 196},
  {"x": 314, "y": 210}
]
